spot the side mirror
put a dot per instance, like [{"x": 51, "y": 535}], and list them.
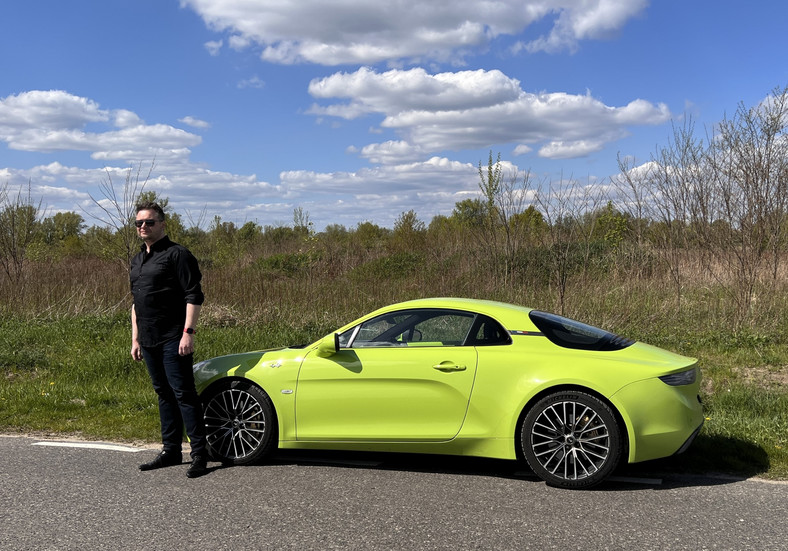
[{"x": 328, "y": 346}]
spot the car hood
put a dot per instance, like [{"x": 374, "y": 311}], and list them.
[{"x": 208, "y": 369}]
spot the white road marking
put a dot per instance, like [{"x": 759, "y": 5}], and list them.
[{"x": 88, "y": 445}]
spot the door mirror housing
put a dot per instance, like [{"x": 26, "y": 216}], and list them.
[{"x": 328, "y": 346}]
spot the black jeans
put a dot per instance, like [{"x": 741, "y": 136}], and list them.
[{"x": 179, "y": 403}]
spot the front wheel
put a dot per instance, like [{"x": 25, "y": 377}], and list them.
[
  {"x": 239, "y": 422},
  {"x": 571, "y": 440}
]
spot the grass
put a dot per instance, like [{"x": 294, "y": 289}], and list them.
[
  {"x": 75, "y": 376},
  {"x": 70, "y": 376}
]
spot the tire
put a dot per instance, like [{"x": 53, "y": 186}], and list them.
[
  {"x": 571, "y": 440},
  {"x": 239, "y": 422}
]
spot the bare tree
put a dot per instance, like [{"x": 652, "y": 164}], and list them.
[
  {"x": 504, "y": 197},
  {"x": 567, "y": 236},
  {"x": 748, "y": 164},
  {"x": 726, "y": 199},
  {"x": 634, "y": 196},
  {"x": 118, "y": 208},
  {"x": 680, "y": 199}
]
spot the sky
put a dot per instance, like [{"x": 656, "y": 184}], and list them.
[{"x": 359, "y": 110}]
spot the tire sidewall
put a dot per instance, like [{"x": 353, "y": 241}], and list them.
[
  {"x": 266, "y": 443},
  {"x": 607, "y": 416}
]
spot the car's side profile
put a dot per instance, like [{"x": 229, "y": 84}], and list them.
[{"x": 459, "y": 376}]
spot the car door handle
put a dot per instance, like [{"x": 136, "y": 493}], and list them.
[{"x": 448, "y": 366}]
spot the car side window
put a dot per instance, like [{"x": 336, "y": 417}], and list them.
[
  {"x": 410, "y": 328},
  {"x": 488, "y": 332}
]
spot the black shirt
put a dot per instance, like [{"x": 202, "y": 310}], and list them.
[{"x": 163, "y": 282}]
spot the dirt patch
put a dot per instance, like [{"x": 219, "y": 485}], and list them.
[{"x": 770, "y": 378}]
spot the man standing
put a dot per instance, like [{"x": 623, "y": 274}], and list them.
[{"x": 165, "y": 283}]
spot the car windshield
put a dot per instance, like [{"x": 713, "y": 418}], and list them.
[{"x": 569, "y": 333}]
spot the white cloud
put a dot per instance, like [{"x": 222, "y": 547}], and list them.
[
  {"x": 412, "y": 90},
  {"x": 53, "y": 109},
  {"x": 381, "y": 193},
  {"x": 214, "y": 47},
  {"x": 195, "y": 122},
  {"x": 40, "y": 121},
  {"x": 581, "y": 20},
  {"x": 391, "y": 152},
  {"x": 473, "y": 109},
  {"x": 400, "y": 183},
  {"x": 333, "y": 32},
  {"x": 125, "y": 118},
  {"x": 570, "y": 150},
  {"x": 57, "y": 121},
  {"x": 437, "y": 172},
  {"x": 253, "y": 82}
]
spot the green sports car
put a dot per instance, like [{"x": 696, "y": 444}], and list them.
[{"x": 464, "y": 377}]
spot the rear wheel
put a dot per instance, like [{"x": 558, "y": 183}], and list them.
[
  {"x": 571, "y": 440},
  {"x": 239, "y": 422}
]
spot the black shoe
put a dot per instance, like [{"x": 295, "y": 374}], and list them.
[
  {"x": 198, "y": 467},
  {"x": 164, "y": 459}
]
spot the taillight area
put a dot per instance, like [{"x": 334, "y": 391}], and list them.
[{"x": 681, "y": 378}]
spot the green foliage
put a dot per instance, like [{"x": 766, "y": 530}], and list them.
[
  {"x": 530, "y": 221},
  {"x": 335, "y": 231},
  {"x": 284, "y": 264},
  {"x": 470, "y": 213},
  {"x": 611, "y": 225},
  {"x": 18, "y": 227},
  {"x": 61, "y": 226},
  {"x": 394, "y": 267},
  {"x": 371, "y": 236},
  {"x": 101, "y": 243},
  {"x": 281, "y": 236},
  {"x": 491, "y": 182},
  {"x": 249, "y": 233},
  {"x": 409, "y": 232}
]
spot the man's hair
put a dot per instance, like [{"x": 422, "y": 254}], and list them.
[{"x": 150, "y": 205}]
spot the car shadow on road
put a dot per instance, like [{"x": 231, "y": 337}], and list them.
[
  {"x": 710, "y": 461},
  {"x": 702, "y": 465}
]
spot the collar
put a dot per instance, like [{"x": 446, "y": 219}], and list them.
[{"x": 159, "y": 245}]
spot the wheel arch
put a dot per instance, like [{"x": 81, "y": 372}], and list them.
[{"x": 622, "y": 424}]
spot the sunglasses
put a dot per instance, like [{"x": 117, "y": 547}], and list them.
[{"x": 150, "y": 222}]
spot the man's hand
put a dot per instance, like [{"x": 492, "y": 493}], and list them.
[
  {"x": 136, "y": 351},
  {"x": 186, "y": 346}
]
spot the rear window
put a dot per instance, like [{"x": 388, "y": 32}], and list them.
[{"x": 572, "y": 334}]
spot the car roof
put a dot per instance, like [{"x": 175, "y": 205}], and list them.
[{"x": 511, "y": 316}]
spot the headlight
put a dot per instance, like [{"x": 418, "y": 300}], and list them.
[{"x": 682, "y": 378}]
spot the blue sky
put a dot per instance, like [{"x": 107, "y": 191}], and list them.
[{"x": 355, "y": 110}]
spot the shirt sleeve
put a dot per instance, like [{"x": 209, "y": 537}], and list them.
[{"x": 189, "y": 277}]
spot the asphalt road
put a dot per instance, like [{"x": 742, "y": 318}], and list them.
[{"x": 56, "y": 497}]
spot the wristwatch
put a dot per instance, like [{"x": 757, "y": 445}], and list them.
[{"x": 190, "y": 331}]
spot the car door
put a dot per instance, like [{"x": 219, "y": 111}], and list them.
[{"x": 400, "y": 377}]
